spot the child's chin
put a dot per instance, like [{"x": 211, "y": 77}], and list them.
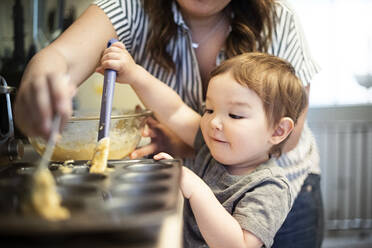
[{"x": 222, "y": 159}]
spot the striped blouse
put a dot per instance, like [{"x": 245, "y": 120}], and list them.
[{"x": 131, "y": 24}]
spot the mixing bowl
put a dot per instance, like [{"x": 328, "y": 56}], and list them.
[{"x": 79, "y": 137}]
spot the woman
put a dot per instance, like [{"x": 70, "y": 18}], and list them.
[{"x": 180, "y": 42}]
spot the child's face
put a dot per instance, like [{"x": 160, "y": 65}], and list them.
[{"x": 234, "y": 125}]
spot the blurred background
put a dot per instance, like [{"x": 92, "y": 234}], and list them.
[{"x": 339, "y": 35}]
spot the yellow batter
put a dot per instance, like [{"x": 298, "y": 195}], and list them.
[
  {"x": 119, "y": 148},
  {"x": 99, "y": 160},
  {"x": 45, "y": 199}
]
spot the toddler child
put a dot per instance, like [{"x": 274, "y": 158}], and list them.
[{"x": 235, "y": 195}]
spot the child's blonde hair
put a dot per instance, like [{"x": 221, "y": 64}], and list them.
[{"x": 274, "y": 81}]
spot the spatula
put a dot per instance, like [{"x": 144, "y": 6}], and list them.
[
  {"x": 99, "y": 160},
  {"x": 51, "y": 143}
]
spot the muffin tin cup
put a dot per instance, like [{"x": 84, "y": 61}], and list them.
[
  {"x": 81, "y": 179},
  {"x": 142, "y": 177},
  {"x": 139, "y": 190},
  {"x": 80, "y": 198}
]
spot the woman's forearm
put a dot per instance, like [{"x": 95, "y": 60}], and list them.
[
  {"x": 75, "y": 52},
  {"x": 46, "y": 62},
  {"x": 51, "y": 77},
  {"x": 82, "y": 44}
]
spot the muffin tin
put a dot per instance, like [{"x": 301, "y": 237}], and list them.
[{"x": 132, "y": 195}]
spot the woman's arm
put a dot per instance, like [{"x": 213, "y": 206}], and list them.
[
  {"x": 162, "y": 139},
  {"x": 218, "y": 227},
  {"x": 76, "y": 54}
]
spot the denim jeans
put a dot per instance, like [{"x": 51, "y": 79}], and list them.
[{"x": 304, "y": 225}]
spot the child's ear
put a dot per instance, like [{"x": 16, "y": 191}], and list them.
[{"x": 282, "y": 130}]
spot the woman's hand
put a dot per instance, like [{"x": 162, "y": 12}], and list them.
[
  {"x": 117, "y": 58},
  {"x": 162, "y": 155},
  {"x": 39, "y": 98},
  {"x": 162, "y": 139}
]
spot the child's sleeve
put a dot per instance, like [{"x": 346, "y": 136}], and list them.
[
  {"x": 198, "y": 164},
  {"x": 263, "y": 209},
  {"x": 199, "y": 140}
]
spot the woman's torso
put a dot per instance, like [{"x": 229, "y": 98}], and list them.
[{"x": 193, "y": 65}]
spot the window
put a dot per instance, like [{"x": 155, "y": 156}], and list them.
[{"x": 339, "y": 35}]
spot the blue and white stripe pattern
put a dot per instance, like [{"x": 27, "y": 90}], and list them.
[{"x": 131, "y": 24}]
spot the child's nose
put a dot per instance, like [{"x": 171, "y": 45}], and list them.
[{"x": 216, "y": 123}]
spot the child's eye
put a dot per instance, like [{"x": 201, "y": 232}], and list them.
[
  {"x": 235, "y": 116},
  {"x": 208, "y": 111}
]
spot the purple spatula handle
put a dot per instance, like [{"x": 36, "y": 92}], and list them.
[{"x": 106, "y": 103}]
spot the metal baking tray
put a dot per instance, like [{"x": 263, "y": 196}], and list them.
[{"x": 132, "y": 195}]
